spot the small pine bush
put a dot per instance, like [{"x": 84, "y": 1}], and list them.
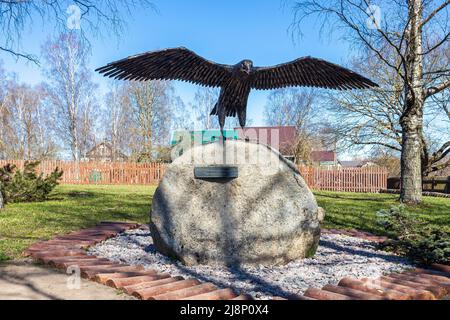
[
  {"x": 416, "y": 240},
  {"x": 26, "y": 185},
  {"x": 3, "y": 257}
]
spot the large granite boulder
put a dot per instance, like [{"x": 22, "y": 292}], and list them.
[{"x": 267, "y": 215}]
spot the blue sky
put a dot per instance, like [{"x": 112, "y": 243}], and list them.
[{"x": 223, "y": 31}]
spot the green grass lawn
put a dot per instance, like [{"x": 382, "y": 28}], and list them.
[
  {"x": 358, "y": 210},
  {"x": 74, "y": 207},
  {"x": 70, "y": 208}
]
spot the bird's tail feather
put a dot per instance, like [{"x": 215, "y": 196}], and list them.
[
  {"x": 214, "y": 111},
  {"x": 229, "y": 113}
]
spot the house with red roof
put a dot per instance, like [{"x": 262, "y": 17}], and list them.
[
  {"x": 324, "y": 158},
  {"x": 280, "y": 138}
]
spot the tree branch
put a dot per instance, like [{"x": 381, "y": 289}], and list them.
[
  {"x": 437, "y": 45},
  {"x": 439, "y": 167},
  {"x": 434, "y": 90},
  {"x": 378, "y": 143},
  {"x": 19, "y": 55},
  {"x": 441, "y": 153},
  {"x": 432, "y": 14}
]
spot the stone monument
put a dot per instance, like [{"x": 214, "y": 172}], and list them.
[{"x": 266, "y": 215}]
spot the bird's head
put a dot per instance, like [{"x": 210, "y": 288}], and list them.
[{"x": 245, "y": 66}]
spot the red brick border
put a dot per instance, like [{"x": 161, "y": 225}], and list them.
[
  {"x": 416, "y": 284},
  {"x": 70, "y": 250}
]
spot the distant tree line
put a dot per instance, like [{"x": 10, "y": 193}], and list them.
[{"x": 65, "y": 114}]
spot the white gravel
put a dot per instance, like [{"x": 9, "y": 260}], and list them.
[{"x": 338, "y": 256}]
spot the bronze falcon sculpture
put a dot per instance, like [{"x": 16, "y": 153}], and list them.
[{"x": 235, "y": 81}]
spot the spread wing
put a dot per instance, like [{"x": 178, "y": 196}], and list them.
[
  {"x": 170, "y": 64},
  {"x": 309, "y": 72}
]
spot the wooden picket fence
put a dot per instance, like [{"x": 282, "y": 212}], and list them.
[
  {"x": 369, "y": 179},
  {"x": 101, "y": 172}
]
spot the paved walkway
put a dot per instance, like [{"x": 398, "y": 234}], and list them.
[{"x": 24, "y": 280}]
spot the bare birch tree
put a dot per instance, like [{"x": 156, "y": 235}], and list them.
[
  {"x": 404, "y": 39},
  {"x": 4, "y": 96},
  {"x": 204, "y": 100},
  {"x": 24, "y": 131},
  {"x": 70, "y": 92},
  {"x": 141, "y": 117},
  {"x": 23, "y": 106},
  {"x": 118, "y": 121},
  {"x": 88, "y": 122},
  {"x": 298, "y": 108}
]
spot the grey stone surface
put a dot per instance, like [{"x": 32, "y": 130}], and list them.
[{"x": 265, "y": 216}]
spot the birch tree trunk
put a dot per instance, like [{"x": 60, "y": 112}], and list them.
[
  {"x": 412, "y": 117},
  {"x": 411, "y": 170}
]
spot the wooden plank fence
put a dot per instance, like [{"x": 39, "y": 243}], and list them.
[
  {"x": 369, "y": 179},
  {"x": 429, "y": 184},
  {"x": 101, "y": 172}
]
